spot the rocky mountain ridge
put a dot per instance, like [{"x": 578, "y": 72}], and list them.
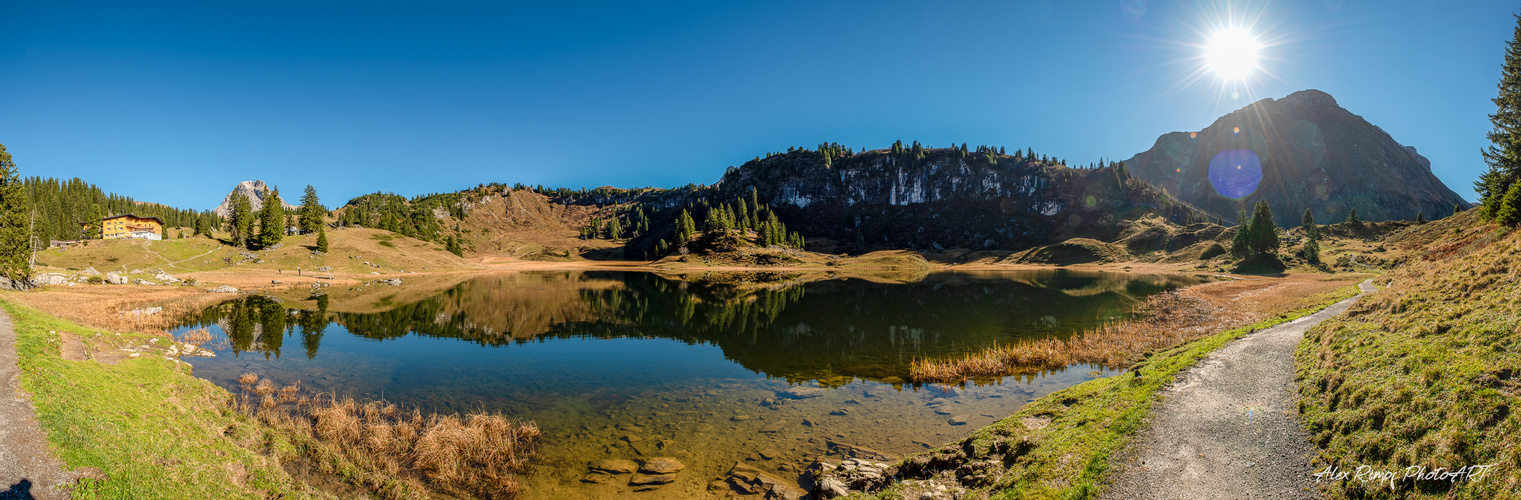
[
  {"x": 1301, "y": 151},
  {"x": 255, "y": 190}
]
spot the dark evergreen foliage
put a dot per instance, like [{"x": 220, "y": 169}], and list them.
[{"x": 1504, "y": 154}]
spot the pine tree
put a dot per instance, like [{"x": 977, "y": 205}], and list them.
[
  {"x": 241, "y": 222},
  {"x": 454, "y": 247},
  {"x": 271, "y": 220},
  {"x": 1504, "y": 155},
  {"x": 311, "y": 211},
  {"x": 15, "y": 235},
  {"x": 1312, "y": 238},
  {"x": 1457, "y": 208},
  {"x": 163, "y": 232},
  {"x": 1241, "y": 242},
  {"x": 1352, "y": 218},
  {"x": 1509, "y": 213},
  {"x": 322, "y": 238},
  {"x": 1420, "y": 217},
  {"x": 686, "y": 228},
  {"x": 1264, "y": 233}
]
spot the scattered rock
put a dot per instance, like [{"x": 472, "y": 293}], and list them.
[
  {"x": 802, "y": 392},
  {"x": 776, "y": 427},
  {"x": 598, "y": 478},
  {"x": 768, "y": 454},
  {"x": 958, "y": 420},
  {"x": 648, "y": 480},
  {"x": 751, "y": 481},
  {"x": 662, "y": 465},
  {"x": 325, "y": 269},
  {"x": 224, "y": 289},
  {"x": 92, "y": 272},
  {"x": 740, "y": 418},
  {"x": 613, "y": 466},
  {"x": 808, "y": 423},
  {"x": 937, "y": 402},
  {"x": 853, "y": 451},
  {"x": 852, "y": 475},
  {"x": 767, "y": 402},
  {"x": 144, "y": 282},
  {"x": 841, "y": 412},
  {"x": 392, "y": 281},
  {"x": 115, "y": 279},
  {"x": 166, "y": 277}
]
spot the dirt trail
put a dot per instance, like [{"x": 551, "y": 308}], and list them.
[
  {"x": 26, "y": 462},
  {"x": 1230, "y": 427}
]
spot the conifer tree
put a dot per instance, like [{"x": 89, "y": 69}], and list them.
[
  {"x": 1352, "y": 218},
  {"x": 1457, "y": 208},
  {"x": 1308, "y": 221},
  {"x": 163, "y": 232},
  {"x": 1420, "y": 217},
  {"x": 1264, "y": 233},
  {"x": 454, "y": 247},
  {"x": 686, "y": 228},
  {"x": 15, "y": 235},
  {"x": 322, "y": 238},
  {"x": 271, "y": 220},
  {"x": 1241, "y": 242},
  {"x": 1509, "y": 213},
  {"x": 240, "y": 224},
  {"x": 1504, "y": 154},
  {"x": 1312, "y": 238},
  {"x": 311, "y": 211}
]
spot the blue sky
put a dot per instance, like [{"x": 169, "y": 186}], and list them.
[{"x": 176, "y": 102}]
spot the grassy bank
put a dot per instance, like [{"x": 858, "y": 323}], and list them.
[
  {"x": 154, "y": 430},
  {"x": 1424, "y": 373},
  {"x": 1059, "y": 446}
]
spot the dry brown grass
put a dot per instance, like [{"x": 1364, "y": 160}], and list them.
[
  {"x": 110, "y": 307},
  {"x": 396, "y": 453},
  {"x": 1163, "y": 321}
]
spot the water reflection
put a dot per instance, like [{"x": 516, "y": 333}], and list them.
[{"x": 794, "y": 327}]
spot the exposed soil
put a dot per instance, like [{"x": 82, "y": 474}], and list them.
[
  {"x": 1230, "y": 424},
  {"x": 27, "y": 465}
]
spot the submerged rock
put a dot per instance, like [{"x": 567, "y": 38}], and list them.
[
  {"x": 852, "y": 475},
  {"x": 648, "y": 480},
  {"x": 613, "y": 466},
  {"x": 803, "y": 392},
  {"x": 958, "y": 420},
  {"x": 662, "y": 465}
]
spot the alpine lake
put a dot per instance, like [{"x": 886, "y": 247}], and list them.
[{"x": 768, "y": 370}]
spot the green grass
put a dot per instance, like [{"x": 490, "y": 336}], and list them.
[
  {"x": 155, "y": 430},
  {"x": 1424, "y": 373},
  {"x": 1088, "y": 423}
]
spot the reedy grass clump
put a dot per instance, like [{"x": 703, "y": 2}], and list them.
[
  {"x": 394, "y": 452},
  {"x": 1163, "y": 320}
]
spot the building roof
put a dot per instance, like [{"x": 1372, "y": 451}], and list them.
[{"x": 154, "y": 219}]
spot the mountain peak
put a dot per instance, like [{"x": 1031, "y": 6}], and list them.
[
  {"x": 1310, "y": 98},
  {"x": 255, "y": 190}
]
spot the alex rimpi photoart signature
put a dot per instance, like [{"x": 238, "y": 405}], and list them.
[{"x": 1366, "y": 473}]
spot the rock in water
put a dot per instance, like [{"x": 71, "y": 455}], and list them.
[
  {"x": 662, "y": 465},
  {"x": 803, "y": 392},
  {"x": 647, "y": 480},
  {"x": 613, "y": 466},
  {"x": 958, "y": 420}
]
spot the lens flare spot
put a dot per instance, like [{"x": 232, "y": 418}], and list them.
[
  {"x": 1179, "y": 170},
  {"x": 1193, "y": 135},
  {"x": 1091, "y": 201},
  {"x": 1237, "y": 182},
  {"x": 1236, "y": 130}
]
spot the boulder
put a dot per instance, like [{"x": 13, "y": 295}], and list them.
[
  {"x": 958, "y": 420},
  {"x": 224, "y": 289},
  {"x": 662, "y": 465},
  {"x": 392, "y": 281},
  {"x": 141, "y": 281},
  {"x": 91, "y": 271},
  {"x": 613, "y": 466},
  {"x": 50, "y": 279},
  {"x": 115, "y": 279},
  {"x": 166, "y": 277},
  {"x": 647, "y": 480},
  {"x": 853, "y": 475},
  {"x": 802, "y": 392}
]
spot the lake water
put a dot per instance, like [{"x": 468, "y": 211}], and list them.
[{"x": 629, "y": 365}]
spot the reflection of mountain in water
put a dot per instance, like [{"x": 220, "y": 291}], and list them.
[{"x": 830, "y": 331}]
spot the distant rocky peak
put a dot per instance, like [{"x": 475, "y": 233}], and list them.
[
  {"x": 1310, "y": 98},
  {"x": 255, "y": 191}
]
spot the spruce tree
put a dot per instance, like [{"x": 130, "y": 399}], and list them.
[
  {"x": 163, "y": 232},
  {"x": 1420, "y": 217},
  {"x": 1504, "y": 154},
  {"x": 1509, "y": 213},
  {"x": 686, "y": 228},
  {"x": 1241, "y": 242},
  {"x": 1312, "y": 238},
  {"x": 1308, "y": 221},
  {"x": 1352, "y": 218},
  {"x": 311, "y": 211},
  {"x": 1264, "y": 233},
  {"x": 271, "y": 220},
  {"x": 1457, "y": 208},
  {"x": 240, "y": 224},
  {"x": 454, "y": 247},
  {"x": 15, "y": 236},
  {"x": 322, "y": 238}
]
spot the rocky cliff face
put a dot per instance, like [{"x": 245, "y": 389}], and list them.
[
  {"x": 256, "y": 191},
  {"x": 942, "y": 198},
  {"x": 1302, "y": 151}
]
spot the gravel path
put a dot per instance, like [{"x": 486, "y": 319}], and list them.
[
  {"x": 1229, "y": 427},
  {"x": 27, "y": 466}
]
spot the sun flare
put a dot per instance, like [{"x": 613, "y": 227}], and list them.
[{"x": 1231, "y": 53}]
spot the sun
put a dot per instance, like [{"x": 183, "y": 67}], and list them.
[{"x": 1231, "y": 53}]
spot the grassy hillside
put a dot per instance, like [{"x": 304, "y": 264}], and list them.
[
  {"x": 1424, "y": 372},
  {"x": 351, "y": 251}
]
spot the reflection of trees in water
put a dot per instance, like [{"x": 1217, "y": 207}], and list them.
[
  {"x": 830, "y": 331},
  {"x": 260, "y": 324}
]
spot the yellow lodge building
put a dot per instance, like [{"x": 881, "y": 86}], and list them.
[{"x": 131, "y": 226}]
